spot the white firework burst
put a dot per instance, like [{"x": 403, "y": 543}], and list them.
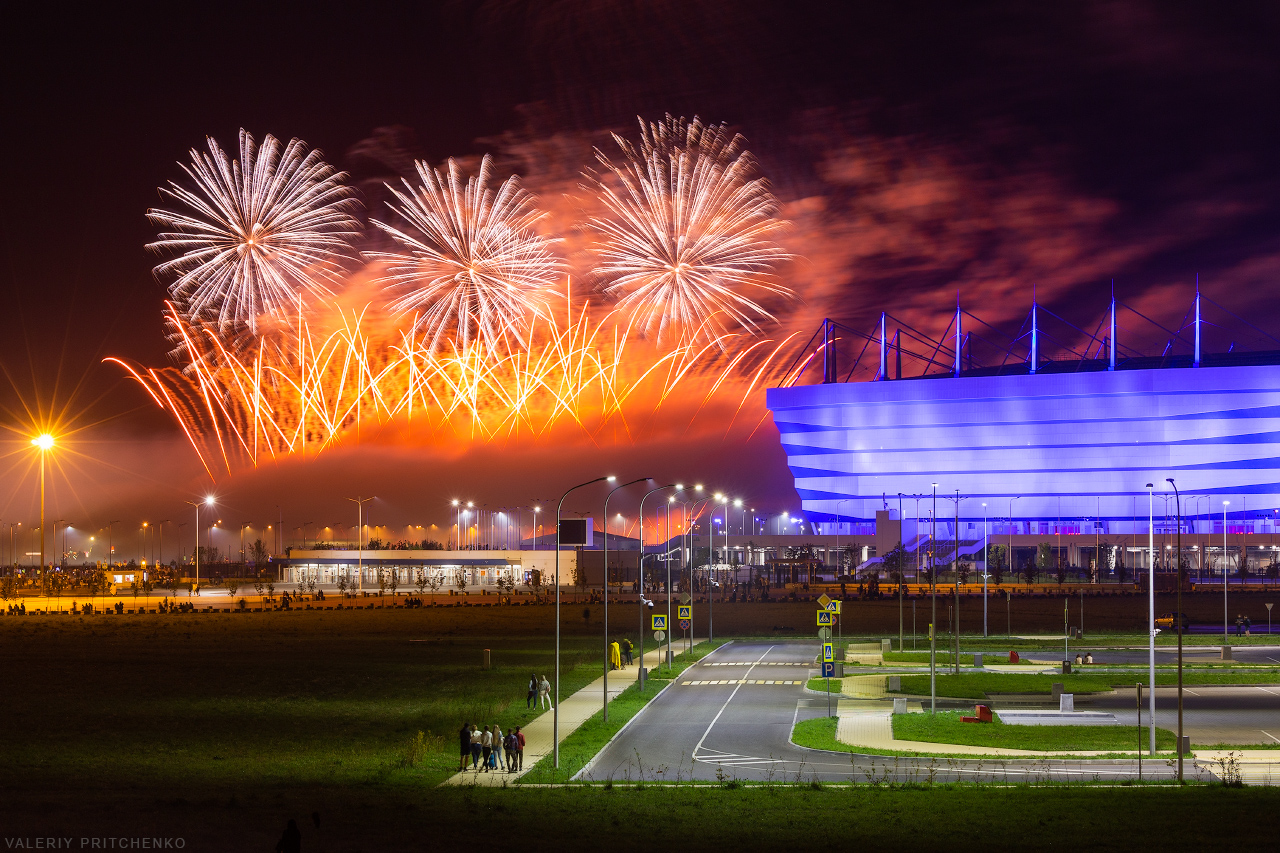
[
  {"x": 474, "y": 268},
  {"x": 257, "y": 233},
  {"x": 687, "y": 248}
]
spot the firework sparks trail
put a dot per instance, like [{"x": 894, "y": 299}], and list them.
[
  {"x": 236, "y": 407},
  {"x": 474, "y": 268},
  {"x": 689, "y": 235},
  {"x": 261, "y": 231}
]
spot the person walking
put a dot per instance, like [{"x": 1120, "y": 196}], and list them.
[
  {"x": 498, "y": 749},
  {"x": 509, "y": 747},
  {"x": 531, "y": 701},
  {"x": 464, "y": 743},
  {"x": 519, "y": 749},
  {"x": 486, "y": 748},
  {"x": 544, "y": 693},
  {"x": 476, "y": 738}
]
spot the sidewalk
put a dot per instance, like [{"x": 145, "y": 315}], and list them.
[{"x": 574, "y": 711}]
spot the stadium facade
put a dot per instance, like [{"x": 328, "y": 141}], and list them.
[{"x": 1066, "y": 446}]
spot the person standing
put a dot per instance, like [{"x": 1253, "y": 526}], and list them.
[
  {"x": 531, "y": 701},
  {"x": 486, "y": 748},
  {"x": 498, "y": 748},
  {"x": 544, "y": 692},
  {"x": 476, "y": 738},
  {"x": 627, "y": 649},
  {"x": 464, "y": 742},
  {"x": 519, "y": 749}
]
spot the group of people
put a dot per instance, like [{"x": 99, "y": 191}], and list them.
[
  {"x": 488, "y": 749},
  {"x": 1244, "y": 625},
  {"x": 620, "y": 654}
]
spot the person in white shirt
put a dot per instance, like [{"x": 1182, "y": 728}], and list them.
[
  {"x": 486, "y": 748},
  {"x": 497, "y": 748},
  {"x": 544, "y": 692}
]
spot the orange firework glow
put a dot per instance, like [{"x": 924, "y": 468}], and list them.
[{"x": 354, "y": 376}]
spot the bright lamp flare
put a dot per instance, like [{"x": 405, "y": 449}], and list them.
[
  {"x": 44, "y": 441},
  {"x": 473, "y": 267},
  {"x": 258, "y": 233},
  {"x": 688, "y": 238}
]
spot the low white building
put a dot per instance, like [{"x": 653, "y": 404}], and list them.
[{"x": 453, "y": 569}]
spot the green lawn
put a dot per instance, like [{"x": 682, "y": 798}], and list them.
[
  {"x": 945, "y": 727},
  {"x": 977, "y": 685},
  {"x": 820, "y": 733}
]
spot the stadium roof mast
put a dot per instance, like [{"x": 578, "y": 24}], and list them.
[
  {"x": 1111, "y": 358},
  {"x": 1035, "y": 332},
  {"x": 959, "y": 342},
  {"x": 1196, "y": 361}
]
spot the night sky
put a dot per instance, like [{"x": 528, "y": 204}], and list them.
[{"x": 918, "y": 150}]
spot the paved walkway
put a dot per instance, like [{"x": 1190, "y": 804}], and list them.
[
  {"x": 1256, "y": 766},
  {"x": 574, "y": 711}
]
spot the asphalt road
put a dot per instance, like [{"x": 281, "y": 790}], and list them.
[{"x": 742, "y": 730}]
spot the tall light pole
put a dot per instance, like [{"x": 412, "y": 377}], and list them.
[
  {"x": 1177, "y": 560},
  {"x": 555, "y": 709},
  {"x": 208, "y": 501},
  {"x": 607, "y": 660},
  {"x": 44, "y": 443},
  {"x": 956, "y": 559},
  {"x": 902, "y": 560},
  {"x": 1151, "y": 607},
  {"x": 457, "y": 526},
  {"x": 360, "y": 502},
  {"x": 986, "y": 568},
  {"x": 641, "y": 578},
  {"x": 1225, "y": 503},
  {"x": 711, "y": 583},
  {"x": 933, "y": 597}
]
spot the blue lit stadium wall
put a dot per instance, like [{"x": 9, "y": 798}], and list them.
[{"x": 1072, "y": 445}]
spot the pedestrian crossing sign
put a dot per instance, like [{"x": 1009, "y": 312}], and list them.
[
  {"x": 828, "y": 653},
  {"x": 825, "y": 617},
  {"x": 684, "y": 611},
  {"x": 659, "y": 622},
  {"x": 832, "y": 607}
]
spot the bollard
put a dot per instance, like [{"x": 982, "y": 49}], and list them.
[
  {"x": 899, "y": 706},
  {"x": 1067, "y": 703},
  {"x": 486, "y": 658},
  {"x": 895, "y": 683},
  {"x": 977, "y": 660}
]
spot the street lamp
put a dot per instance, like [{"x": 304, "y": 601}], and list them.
[
  {"x": 555, "y": 708},
  {"x": 986, "y": 569},
  {"x": 933, "y": 597},
  {"x": 360, "y": 502},
  {"x": 1177, "y": 617},
  {"x": 208, "y": 501},
  {"x": 641, "y": 579},
  {"x": 44, "y": 443},
  {"x": 607, "y": 661},
  {"x": 1225, "y": 504}
]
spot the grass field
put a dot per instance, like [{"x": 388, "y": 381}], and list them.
[
  {"x": 217, "y": 729},
  {"x": 820, "y": 733},
  {"x": 976, "y": 685},
  {"x": 945, "y": 727}
]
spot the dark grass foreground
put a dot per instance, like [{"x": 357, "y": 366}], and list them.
[{"x": 396, "y": 815}]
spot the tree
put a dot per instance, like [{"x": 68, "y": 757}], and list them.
[
  {"x": 997, "y": 562},
  {"x": 1060, "y": 570},
  {"x": 1044, "y": 557},
  {"x": 420, "y": 576},
  {"x": 579, "y": 575},
  {"x": 435, "y": 580},
  {"x": 894, "y": 562},
  {"x": 395, "y": 580},
  {"x": 259, "y": 585},
  {"x": 1272, "y": 571},
  {"x": 460, "y": 579},
  {"x": 342, "y": 583},
  {"x": 382, "y": 581},
  {"x": 1029, "y": 571},
  {"x": 258, "y": 553}
]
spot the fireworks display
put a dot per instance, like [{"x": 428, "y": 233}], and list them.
[
  {"x": 475, "y": 268},
  {"x": 688, "y": 235},
  {"x": 259, "y": 232},
  {"x": 468, "y": 333}
]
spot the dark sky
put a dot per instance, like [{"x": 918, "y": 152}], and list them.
[{"x": 923, "y": 148}]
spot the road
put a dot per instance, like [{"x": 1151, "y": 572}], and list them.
[{"x": 702, "y": 730}]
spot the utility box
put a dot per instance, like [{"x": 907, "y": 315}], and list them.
[
  {"x": 1067, "y": 703},
  {"x": 1226, "y": 653},
  {"x": 977, "y": 659},
  {"x": 886, "y": 646},
  {"x": 895, "y": 683},
  {"x": 1057, "y": 690},
  {"x": 899, "y": 706}
]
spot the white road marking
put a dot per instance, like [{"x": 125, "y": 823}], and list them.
[
  {"x": 1270, "y": 735},
  {"x": 1267, "y": 690},
  {"x": 725, "y": 705}
]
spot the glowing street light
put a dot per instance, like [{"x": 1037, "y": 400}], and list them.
[
  {"x": 44, "y": 443},
  {"x": 208, "y": 501}
]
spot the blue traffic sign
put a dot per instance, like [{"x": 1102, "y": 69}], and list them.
[{"x": 828, "y": 669}]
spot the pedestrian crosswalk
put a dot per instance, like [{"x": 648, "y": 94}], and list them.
[
  {"x": 757, "y": 663},
  {"x": 739, "y": 681}
]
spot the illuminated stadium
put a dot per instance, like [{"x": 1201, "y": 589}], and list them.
[{"x": 1033, "y": 446}]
